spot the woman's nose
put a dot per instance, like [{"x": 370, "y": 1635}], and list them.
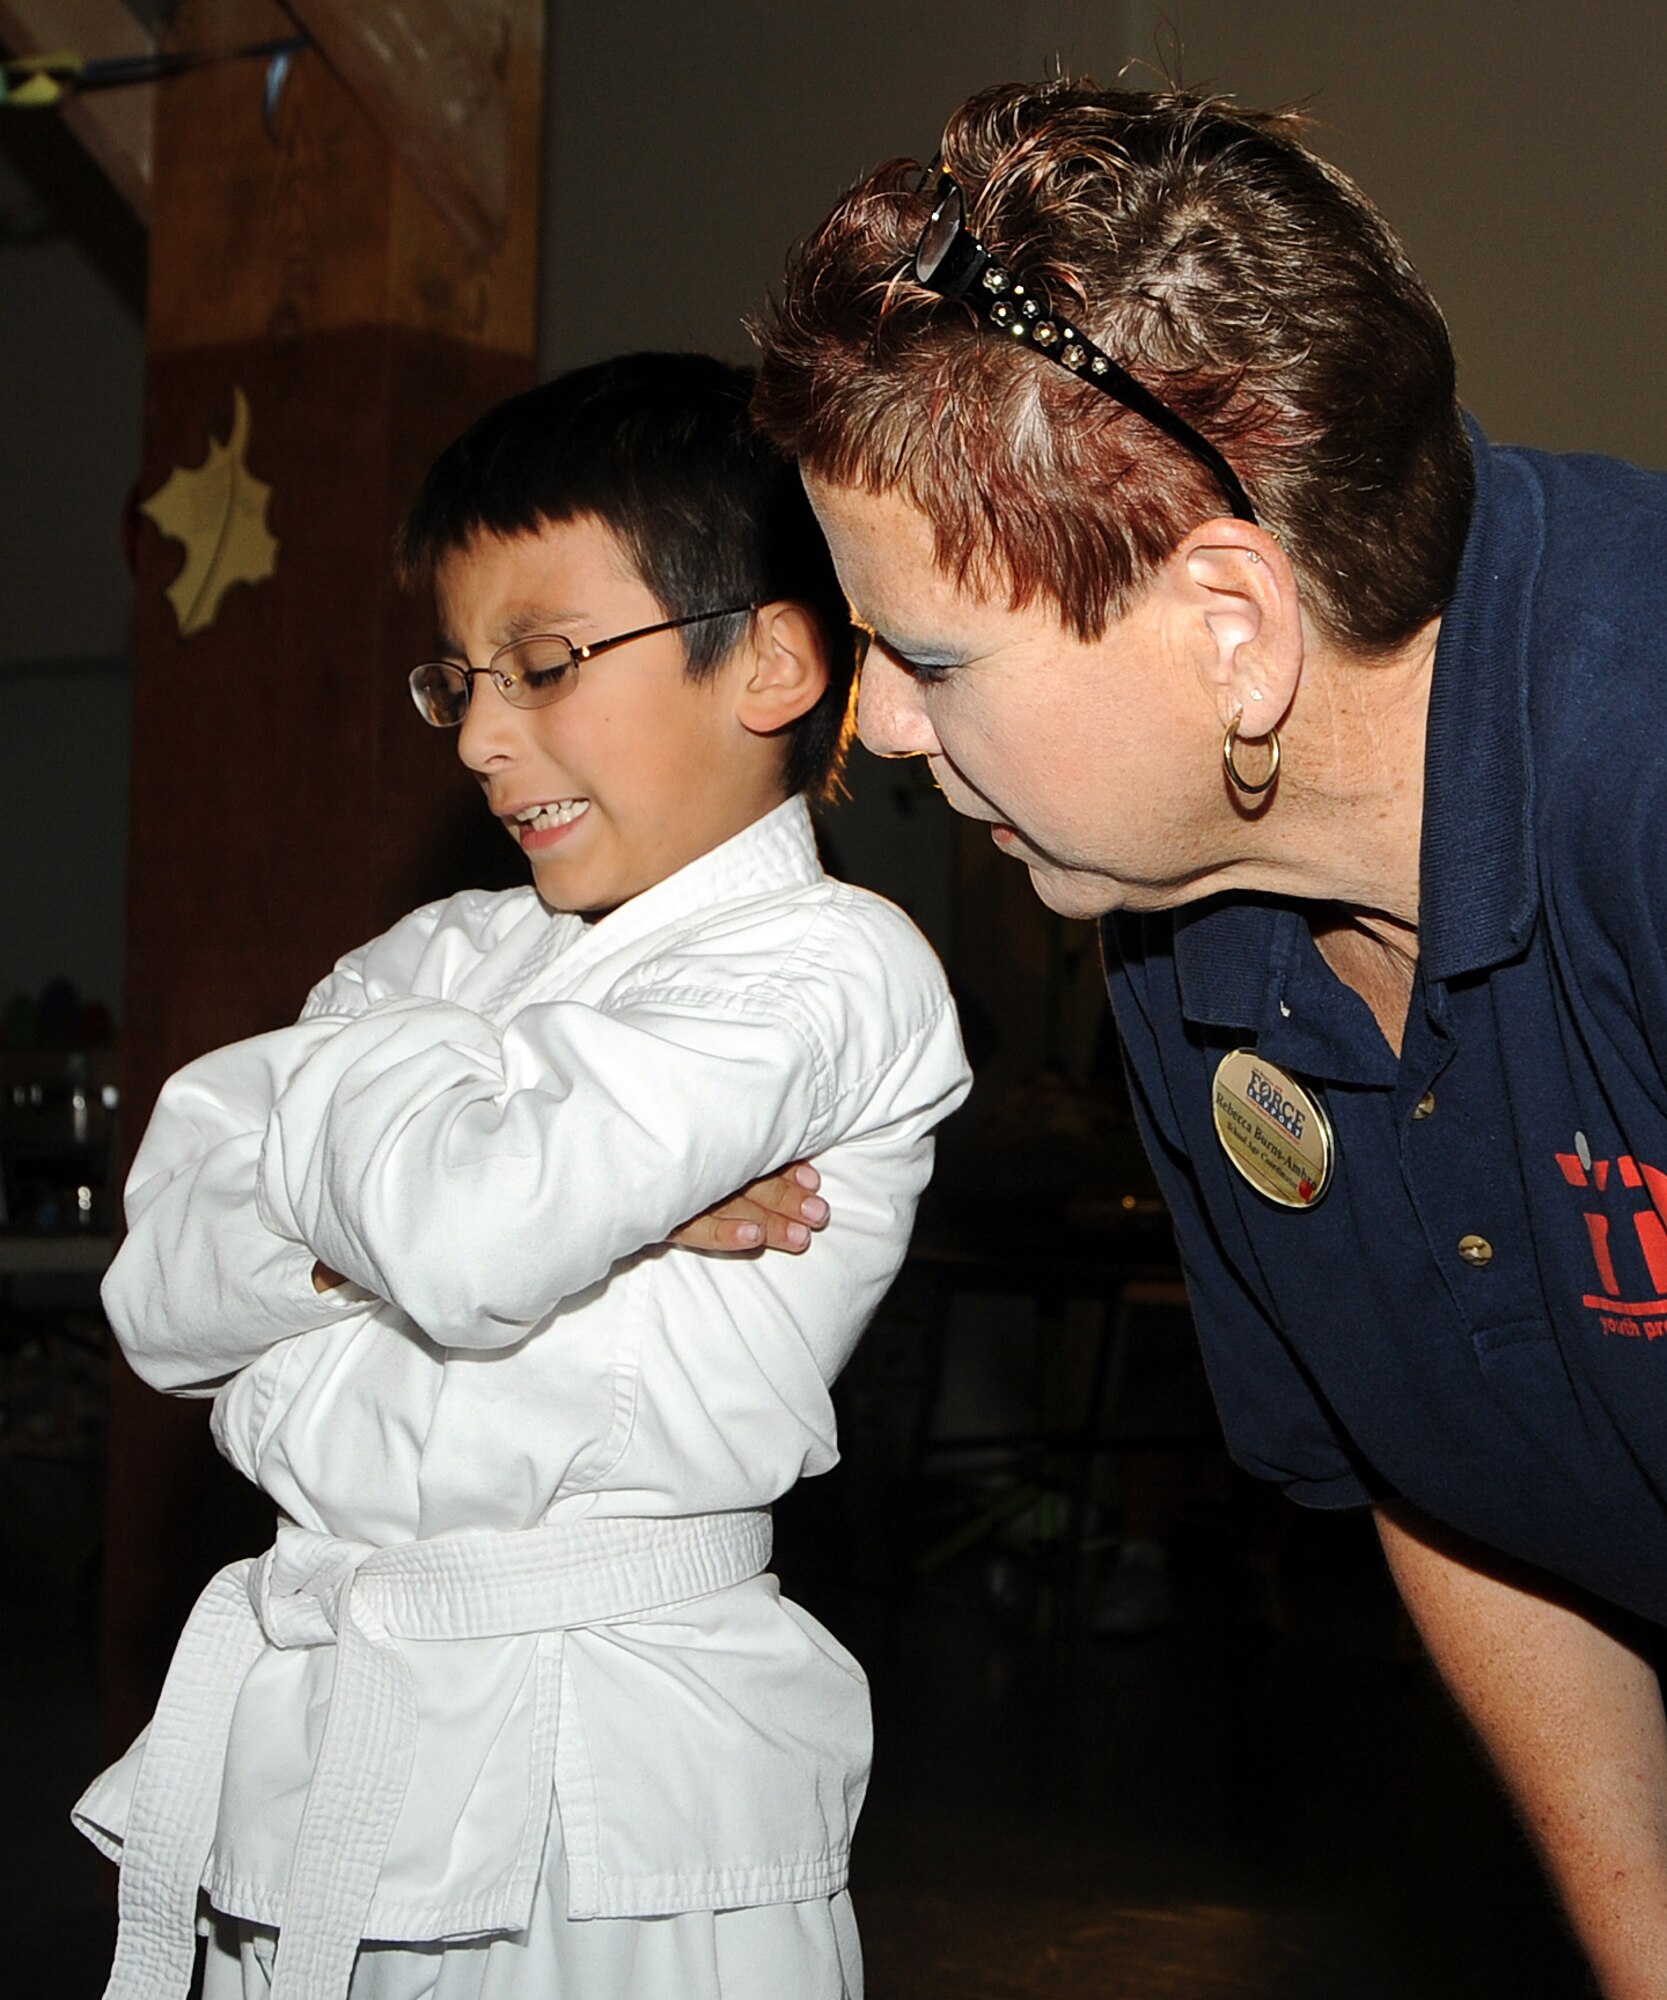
[{"x": 891, "y": 716}]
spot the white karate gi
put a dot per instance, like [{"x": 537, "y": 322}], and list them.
[{"x": 514, "y": 1661}]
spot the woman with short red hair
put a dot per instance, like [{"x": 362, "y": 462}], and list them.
[{"x": 1137, "y": 442}]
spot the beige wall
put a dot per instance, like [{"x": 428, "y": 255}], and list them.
[
  {"x": 689, "y": 145},
  {"x": 1521, "y": 152}
]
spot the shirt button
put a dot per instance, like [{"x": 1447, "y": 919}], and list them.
[
  {"x": 1476, "y": 1250},
  {"x": 1425, "y": 1105}
]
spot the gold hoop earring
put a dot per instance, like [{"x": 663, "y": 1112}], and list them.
[{"x": 1249, "y": 788}]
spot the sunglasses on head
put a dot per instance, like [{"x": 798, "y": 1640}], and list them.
[{"x": 950, "y": 260}]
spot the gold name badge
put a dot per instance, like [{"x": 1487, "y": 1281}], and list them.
[{"x": 1272, "y": 1130}]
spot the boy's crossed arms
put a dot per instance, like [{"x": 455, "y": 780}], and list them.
[{"x": 403, "y": 1146}]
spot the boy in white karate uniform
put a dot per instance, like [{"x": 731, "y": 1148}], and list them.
[{"x": 512, "y": 1706}]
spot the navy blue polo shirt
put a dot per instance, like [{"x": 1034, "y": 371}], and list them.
[{"x": 1354, "y": 1353}]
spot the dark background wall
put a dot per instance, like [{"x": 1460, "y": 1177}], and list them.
[{"x": 71, "y": 381}]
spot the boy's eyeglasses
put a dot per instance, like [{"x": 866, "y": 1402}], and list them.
[
  {"x": 530, "y": 672},
  {"x": 950, "y": 261}
]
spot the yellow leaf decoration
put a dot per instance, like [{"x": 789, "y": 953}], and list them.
[{"x": 218, "y": 511}]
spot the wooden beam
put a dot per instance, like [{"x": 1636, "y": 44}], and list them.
[
  {"x": 436, "y": 76},
  {"x": 114, "y": 125},
  {"x": 441, "y": 78}
]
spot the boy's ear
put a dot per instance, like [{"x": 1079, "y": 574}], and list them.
[{"x": 784, "y": 668}]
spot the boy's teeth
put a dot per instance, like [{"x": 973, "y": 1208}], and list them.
[{"x": 542, "y": 818}]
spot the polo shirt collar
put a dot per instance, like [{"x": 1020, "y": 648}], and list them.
[
  {"x": 1235, "y": 955},
  {"x": 1478, "y": 872}
]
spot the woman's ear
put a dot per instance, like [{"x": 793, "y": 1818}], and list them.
[
  {"x": 783, "y": 670},
  {"x": 1234, "y": 581}
]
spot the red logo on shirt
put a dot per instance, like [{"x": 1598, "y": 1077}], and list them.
[{"x": 1631, "y": 1300}]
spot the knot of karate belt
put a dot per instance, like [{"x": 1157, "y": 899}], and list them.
[{"x": 314, "y": 1590}]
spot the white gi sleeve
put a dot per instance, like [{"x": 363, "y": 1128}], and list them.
[
  {"x": 200, "y": 1285},
  {"x": 477, "y": 1178}
]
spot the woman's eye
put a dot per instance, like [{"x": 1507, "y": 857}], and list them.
[
  {"x": 540, "y": 680},
  {"x": 927, "y": 672}
]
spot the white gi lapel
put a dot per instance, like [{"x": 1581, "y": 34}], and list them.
[{"x": 575, "y": 961}]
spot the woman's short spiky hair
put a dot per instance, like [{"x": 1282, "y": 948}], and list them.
[{"x": 1245, "y": 281}]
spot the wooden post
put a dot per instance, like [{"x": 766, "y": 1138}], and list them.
[{"x": 286, "y": 801}]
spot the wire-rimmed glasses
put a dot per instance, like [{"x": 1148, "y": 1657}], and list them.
[
  {"x": 950, "y": 260},
  {"x": 529, "y": 673}
]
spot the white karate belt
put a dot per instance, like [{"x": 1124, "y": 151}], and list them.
[{"x": 312, "y": 1590}]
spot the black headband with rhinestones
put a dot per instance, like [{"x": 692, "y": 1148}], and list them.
[{"x": 950, "y": 261}]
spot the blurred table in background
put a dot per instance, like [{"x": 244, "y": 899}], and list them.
[{"x": 58, "y": 1110}]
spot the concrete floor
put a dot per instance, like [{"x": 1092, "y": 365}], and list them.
[{"x": 1209, "y": 1812}]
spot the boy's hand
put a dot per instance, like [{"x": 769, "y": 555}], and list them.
[{"x": 780, "y": 1212}]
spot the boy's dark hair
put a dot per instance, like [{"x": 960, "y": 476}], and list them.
[{"x": 661, "y": 449}]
